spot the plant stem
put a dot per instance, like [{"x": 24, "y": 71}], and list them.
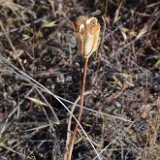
[{"x": 81, "y": 109}]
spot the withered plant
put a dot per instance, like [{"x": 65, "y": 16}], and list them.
[{"x": 87, "y": 31}]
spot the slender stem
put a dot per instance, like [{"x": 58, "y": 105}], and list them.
[{"x": 81, "y": 108}]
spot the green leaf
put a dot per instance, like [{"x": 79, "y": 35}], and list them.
[
  {"x": 132, "y": 33},
  {"x": 54, "y": 157},
  {"x": 36, "y": 101},
  {"x": 158, "y": 62},
  {"x": 117, "y": 81},
  {"x": 116, "y": 19},
  {"x": 125, "y": 75},
  {"x": 125, "y": 29},
  {"x": 39, "y": 34},
  {"x": 25, "y": 37},
  {"x": 49, "y": 24}
]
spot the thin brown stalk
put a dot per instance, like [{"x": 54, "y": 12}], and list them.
[
  {"x": 69, "y": 123},
  {"x": 80, "y": 111}
]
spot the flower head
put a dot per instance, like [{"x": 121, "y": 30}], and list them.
[{"x": 88, "y": 30}]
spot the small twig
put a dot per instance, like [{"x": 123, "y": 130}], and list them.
[
  {"x": 80, "y": 110},
  {"x": 68, "y": 140},
  {"x": 103, "y": 33}
]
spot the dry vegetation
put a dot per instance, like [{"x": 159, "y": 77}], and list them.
[{"x": 40, "y": 80}]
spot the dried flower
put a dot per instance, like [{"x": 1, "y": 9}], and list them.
[{"x": 88, "y": 30}]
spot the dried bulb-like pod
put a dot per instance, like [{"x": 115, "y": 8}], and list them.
[{"x": 88, "y": 30}]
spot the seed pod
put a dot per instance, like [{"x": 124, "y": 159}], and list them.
[{"x": 87, "y": 29}]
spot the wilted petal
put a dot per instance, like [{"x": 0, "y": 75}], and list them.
[
  {"x": 80, "y": 43},
  {"x": 88, "y": 30},
  {"x": 88, "y": 45},
  {"x": 96, "y": 37}
]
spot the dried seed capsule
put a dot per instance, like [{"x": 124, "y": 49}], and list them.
[{"x": 88, "y": 30}]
